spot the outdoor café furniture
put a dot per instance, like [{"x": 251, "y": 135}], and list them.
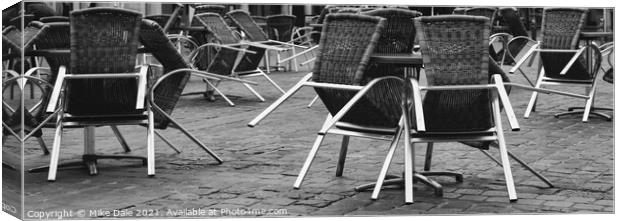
[
  {"x": 563, "y": 62},
  {"x": 152, "y": 109},
  {"x": 281, "y": 28},
  {"x": 257, "y": 38},
  {"x": 229, "y": 59},
  {"x": 102, "y": 87},
  {"x": 460, "y": 104},
  {"x": 339, "y": 76}
]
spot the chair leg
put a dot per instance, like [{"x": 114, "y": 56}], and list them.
[
  {"x": 531, "y": 105},
  {"x": 310, "y": 158},
  {"x": 219, "y": 92},
  {"x": 254, "y": 92},
  {"x": 409, "y": 163},
  {"x": 43, "y": 146},
  {"x": 167, "y": 142},
  {"x": 272, "y": 82},
  {"x": 428, "y": 157},
  {"x": 589, "y": 101},
  {"x": 120, "y": 138},
  {"x": 510, "y": 186},
  {"x": 150, "y": 147},
  {"x": 51, "y": 176},
  {"x": 343, "y": 155},
  {"x": 308, "y": 162},
  {"x": 386, "y": 164},
  {"x": 313, "y": 100}
]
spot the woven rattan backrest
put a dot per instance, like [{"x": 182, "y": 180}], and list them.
[
  {"x": 167, "y": 94},
  {"x": 219, "y": 9},
  {"x": 224, "y": 59},
  {"x": 217, "y": 26},
  {"x": 284, "y": 25},
  {"x": 345, "y": 46},
  {"x": 561, "y": 27},
  {"x": 511, "y": 17},
  {"x": 399, "y": 32},
  {"x": 455, "y": 52},
  {"x": 104, "y": 40},
  {"x": 243, "y": 20},
  {"x": 328, "y": 9},
  {"x": 54, "y": 35},
  {"x": 11, "y": 40}
]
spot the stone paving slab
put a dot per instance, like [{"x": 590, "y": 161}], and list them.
[{"x": 262, "y": 163}]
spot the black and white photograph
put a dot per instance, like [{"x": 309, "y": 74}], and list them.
[{"x": 274, "y": 109}]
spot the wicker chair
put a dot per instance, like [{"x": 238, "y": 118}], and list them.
[
  {"x": 258, "y": 38},
  {"x": 362, "y": 103},
  {"x": 563, "y": 63},
  {"x": 280, "y": 27},
  {"x": 229, "y": 59},
  {"x": 513, "y": 27},
  {"x": 459, "y": 99},
  {"x": 101, "y": 84}
]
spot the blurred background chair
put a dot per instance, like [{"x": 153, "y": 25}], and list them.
[
  {"x": 563, "y": 62},
  {"x": 229, "y": 59}
]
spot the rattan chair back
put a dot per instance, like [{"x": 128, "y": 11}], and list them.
[
  {"x": 167, "y": 94},
  {"x": 561, "y": 28},
  {"x": 344, "y": 51},
  {"x": 283, "y": 25},
  {"x": 103, "y": 40},
  {"x": 244, "y": 21},
  {"x": 455, "y": 52},
  {"x": 224, "y": 59},
  {"x": 510, "y": 16}
]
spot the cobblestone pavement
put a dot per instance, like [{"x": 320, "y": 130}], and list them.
[{"x": 262, "y": 163}]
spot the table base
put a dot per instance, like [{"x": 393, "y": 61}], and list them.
[
  {"x": 593, "y": 111},
  {"x": 417, "y": 176}
]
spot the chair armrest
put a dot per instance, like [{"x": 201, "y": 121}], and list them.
[
  {"x": 60, "y": 80},
  {"x": 576, "y": 56},
  {"x": 261, "y": 45},
  {"x": 525, "y": 57},
  {"x": 503, "y": 98},
  {"x": 417, "y": 105},
  {"x": 142, "y": 81},
  {"x": 345, "y": 109},
  {"x": 280, "y": 100}
]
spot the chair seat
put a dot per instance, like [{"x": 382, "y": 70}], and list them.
[
  {"x": 366, "y": 129},
  {"x": 95, "y": 120}
]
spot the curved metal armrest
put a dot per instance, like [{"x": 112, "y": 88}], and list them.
[
  {"x": 579, "y": 52},
  {"x": 417, "y": 105},
  {"x": 63, "y": 76},
  {"x": 497, "y": 86},
  {"x": 261, "y": 45},
  {"x": 277, "y": 42},
  {"x": 345, "y": 109},
  {"x": 529, "y": 53},
  {"x": 204, "y": 74}
]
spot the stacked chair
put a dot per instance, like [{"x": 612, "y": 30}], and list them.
[
  {"x": 563, "y": 62},
  {"x": 230, "y": 59}
]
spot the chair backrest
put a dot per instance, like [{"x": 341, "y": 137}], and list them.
[
  {"x": 103, "y": 40},
  {"x": 167, "y": 94},
  {"x": 259, "y": 19},
  {"x": 326, "y": 10},
  {"x": 54, "y": 35},
  {"x": 163, "y": 19},
  {"x": 511, "y": 17},
  {"x": 54, "y": 19},
  {"x": 344, "y": 51},
  {"x": 455, "y": 52},
  {"x": 489, "y": 12},
  {"x": 561, "y": 27},
  {"x": 399, "y": 32},
  {"x": 283, "y": 24},
  {"x": 244, "y": 21},
  {"x": 219, "y": 9},
  {"x": 224, "y": 59}
]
